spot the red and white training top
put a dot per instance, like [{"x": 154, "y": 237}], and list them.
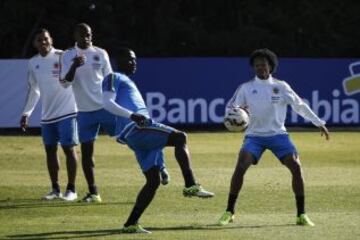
[
  {"x": 267, "y": 102},
  {"x": 57, "y": 102},
  {"x": 87, "y": 84}
]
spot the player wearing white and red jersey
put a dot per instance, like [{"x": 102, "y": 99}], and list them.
[
  {"x": 88, "y": 77},
  {"x": 84, "y": 68},
  {"x": 267, "y": 99},
  {"x": 58, "y": 120},
  {"x": 43, "y": 78}
]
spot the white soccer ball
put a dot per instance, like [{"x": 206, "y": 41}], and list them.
[{"x": 236, "y": 119}]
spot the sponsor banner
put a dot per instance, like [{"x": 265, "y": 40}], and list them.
[
  {"x": 195, "y": 90},
  {"x": 13, "y": 87}
]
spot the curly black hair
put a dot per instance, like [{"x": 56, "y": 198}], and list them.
[{"x": 268, "y": 55}]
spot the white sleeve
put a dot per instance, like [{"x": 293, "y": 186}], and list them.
[
  {"x": 33, "y": 94},
  {"x": 107, "y": 66},
  {"x": 113, "y": 107},
  {"x": 238, "y": 99},
  {"x": 300, "y": 107},
  {"x": 65, "y": 64}
]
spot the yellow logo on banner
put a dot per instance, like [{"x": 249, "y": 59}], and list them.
[{"x": 351, "y": 84}]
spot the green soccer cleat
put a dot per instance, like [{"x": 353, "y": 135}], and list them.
[
  {"x": 197, "y": 191},
  {"x": 137, "y": 228},
  {"x": 226, "y": 218},
  {"x": 92, "y": 198},
  {"x": 304, "y": 220}
]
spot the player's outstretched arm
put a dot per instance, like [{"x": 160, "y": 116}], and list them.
[{"x": 324, "y": 131}]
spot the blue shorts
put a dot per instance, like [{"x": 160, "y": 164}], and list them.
[
  {"x": 90, "y": 123},
  {"x": 280, "y": 145},
  {"x": 64, "y": 131},
  {"x": 148, "y": 143}
]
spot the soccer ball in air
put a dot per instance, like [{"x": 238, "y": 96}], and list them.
[{"x": 236, "y": 119}]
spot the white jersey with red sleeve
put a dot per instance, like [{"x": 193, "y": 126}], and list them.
[
  {"x": 43, "y": 79},
  {"x": 267, "y": 102},
  {"x": 87, "y": 83}
]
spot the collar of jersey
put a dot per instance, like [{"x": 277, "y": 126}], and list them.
[
  {"x": 80, "y": 49},
  {"x": 52, "y": 50},
  {"x": 264, "y": 81}
]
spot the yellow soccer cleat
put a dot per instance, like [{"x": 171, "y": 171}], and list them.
[
  {"x": 197, "y": 191},
  {"x": 137, "y": 228},
  {"x": 92, "y": 198},
  {"x": 226, "y": 218},
  {"x": 304, "y": 220}
]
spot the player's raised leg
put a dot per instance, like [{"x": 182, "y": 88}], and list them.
[{"x": 178, "y": 139}]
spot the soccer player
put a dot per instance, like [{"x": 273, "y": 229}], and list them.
[
  {"x": 58, "y": 123},
  {"x": 84, "y": 67},
  {"x": 145, "y": 137},
  {"x": 267, "y": 98}
]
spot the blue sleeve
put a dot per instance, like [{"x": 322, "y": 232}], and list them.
[{"x": 109, "y": 83}]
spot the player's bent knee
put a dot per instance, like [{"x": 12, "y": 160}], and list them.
[
  {"x": 180, "y": 138},
  {"x": 152, "y": 178},
  {"x": 51, "y": 148},
  {"x": 245, "y": 160},
  {"x": 153, "y": 182},
  {"x": 293, "y": 163}
]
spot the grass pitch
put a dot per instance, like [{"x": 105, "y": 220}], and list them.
[{"x": 265, "y": 210}]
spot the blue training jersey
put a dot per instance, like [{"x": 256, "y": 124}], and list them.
[{"x": 127, "y": 95}]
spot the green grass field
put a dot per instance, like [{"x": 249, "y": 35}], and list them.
[{"x": 265, "y": 210}]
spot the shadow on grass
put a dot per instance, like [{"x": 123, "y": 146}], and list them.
[
  {"x": 108, "y": 232},
  {"x": 64, "y": 235},
  {"x": 36, "y": 203},
  {"x": 215, "y": 227}
]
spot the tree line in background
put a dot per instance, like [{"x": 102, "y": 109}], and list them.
[{"x": 184, "y": 28}]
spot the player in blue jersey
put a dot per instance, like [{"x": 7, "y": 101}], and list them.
[{"x": 145, "y": 137}]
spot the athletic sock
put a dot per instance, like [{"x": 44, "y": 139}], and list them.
[
  {"x": 134, "y": 216},
  {"x": 93, "y": 190},
  {"x": 231, "y": 203},
  {"x": 70, "y": 187},
  {"x": 56, "y": 187},
  {"x": 300, "y": 205},
  {"x": 189, "y": 178}
]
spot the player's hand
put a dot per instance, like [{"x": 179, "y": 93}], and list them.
[
  {"x": 24, "y": 121},
  {"x": 324, "y": 131},
  {"x": 79, "y": 61},
  {"x": 139, "y": 119}
]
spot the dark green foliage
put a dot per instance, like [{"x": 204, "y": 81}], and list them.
[{"x": 182, "y": 28}]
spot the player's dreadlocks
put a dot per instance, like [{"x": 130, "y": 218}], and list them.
[{"x": 268, "y": 55}]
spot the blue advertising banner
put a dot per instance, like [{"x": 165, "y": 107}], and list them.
[{"x": 195, "y": 90}]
